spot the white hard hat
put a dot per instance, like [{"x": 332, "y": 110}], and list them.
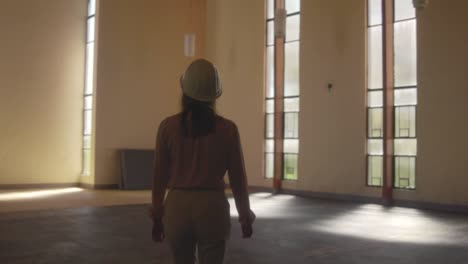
[{"x": 201, "y": 81}]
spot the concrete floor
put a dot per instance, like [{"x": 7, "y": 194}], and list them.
[{"x": 288, "y": 230}]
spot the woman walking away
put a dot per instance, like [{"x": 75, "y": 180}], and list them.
[{"x": 194, "y": 149}]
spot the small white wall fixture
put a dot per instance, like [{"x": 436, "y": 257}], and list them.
[{"x": 189, "y": 45}]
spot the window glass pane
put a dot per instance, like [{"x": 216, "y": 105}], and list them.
[
  {"x": 269, "y": 165},
  {"x": 270, "y": 33},
  {"x": 291, "y": 105},
  {"x": 293, "y": 28},
  {"x": 270, "y": 66},
  {"x": 405, "y": 147},
  {"x": 375, "y": 58},
  {"x": 375, "y": 123},
  {"x": 270, "y": 125},
  {"x": 87, "y": 142},
  {"x": 375, "y": 170},
  {"x": 405, "y": 122},
  {"x": 405, "y": 172},
  {"x": 88, "y": 102},
  {"x": 91, "y": 29},
  {"x": 88, "y": 122},
  {"x": 291, "y": 71},
  {"x": 406, "y": 96},
  {"x": 293, "y": 6},
  {"x": 375, "y": 99},
  {"x": 91, "y": 7},
  {"x": 270, "y": 106},
  {"x": 404, "y": 9},
  {"x": 89, "y": 68},
  {"x": 290, "y": 167},
  {"x": 86, "y": 161},
  {"x": 291, "y": 125},
  {"x": 269, "y": 146},
  {"x": 291, "y": 146},
  {"x": 375, "y": 146},
  {"x": 270, "y": 9},
  {"x": 405, "y": 53},
  {"x": 374, "y": 10}
]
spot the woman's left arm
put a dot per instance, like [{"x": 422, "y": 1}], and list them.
[{"x": 161, "y": 173}]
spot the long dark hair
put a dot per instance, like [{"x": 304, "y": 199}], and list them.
[{"x": 198, "y": 118}]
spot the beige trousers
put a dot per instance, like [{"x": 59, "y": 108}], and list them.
[{"x": 197, "y": 219}]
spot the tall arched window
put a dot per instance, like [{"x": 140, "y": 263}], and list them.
[
  {"x": 282, "y": 92},
  {"x": 391, "y": 94},
  {"x": 89, "y": 88}
]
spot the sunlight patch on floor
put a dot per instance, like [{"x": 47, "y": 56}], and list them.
[
  {"x": 396, "y": 224},
  {"x": 267, "y": 205},
  {"x": 23, "y": 195}
]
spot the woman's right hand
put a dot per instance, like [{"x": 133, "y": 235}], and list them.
[{"x": 247, "y": 229}]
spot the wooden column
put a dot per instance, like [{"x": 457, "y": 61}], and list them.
[
  {"x": 388, "y": 100},
  {"x": 279, "y": 106}
]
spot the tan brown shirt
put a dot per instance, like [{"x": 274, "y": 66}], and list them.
[{"x": 186, "y": 162}]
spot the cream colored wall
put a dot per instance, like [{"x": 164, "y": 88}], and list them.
[
  {"x": 442, "y": 164},
  {"x": 41, "y": 87},
  {"x": 235, "y": 43},
  {"x": 333, "y": 124},
  {"x": 139, "y": 65}
]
